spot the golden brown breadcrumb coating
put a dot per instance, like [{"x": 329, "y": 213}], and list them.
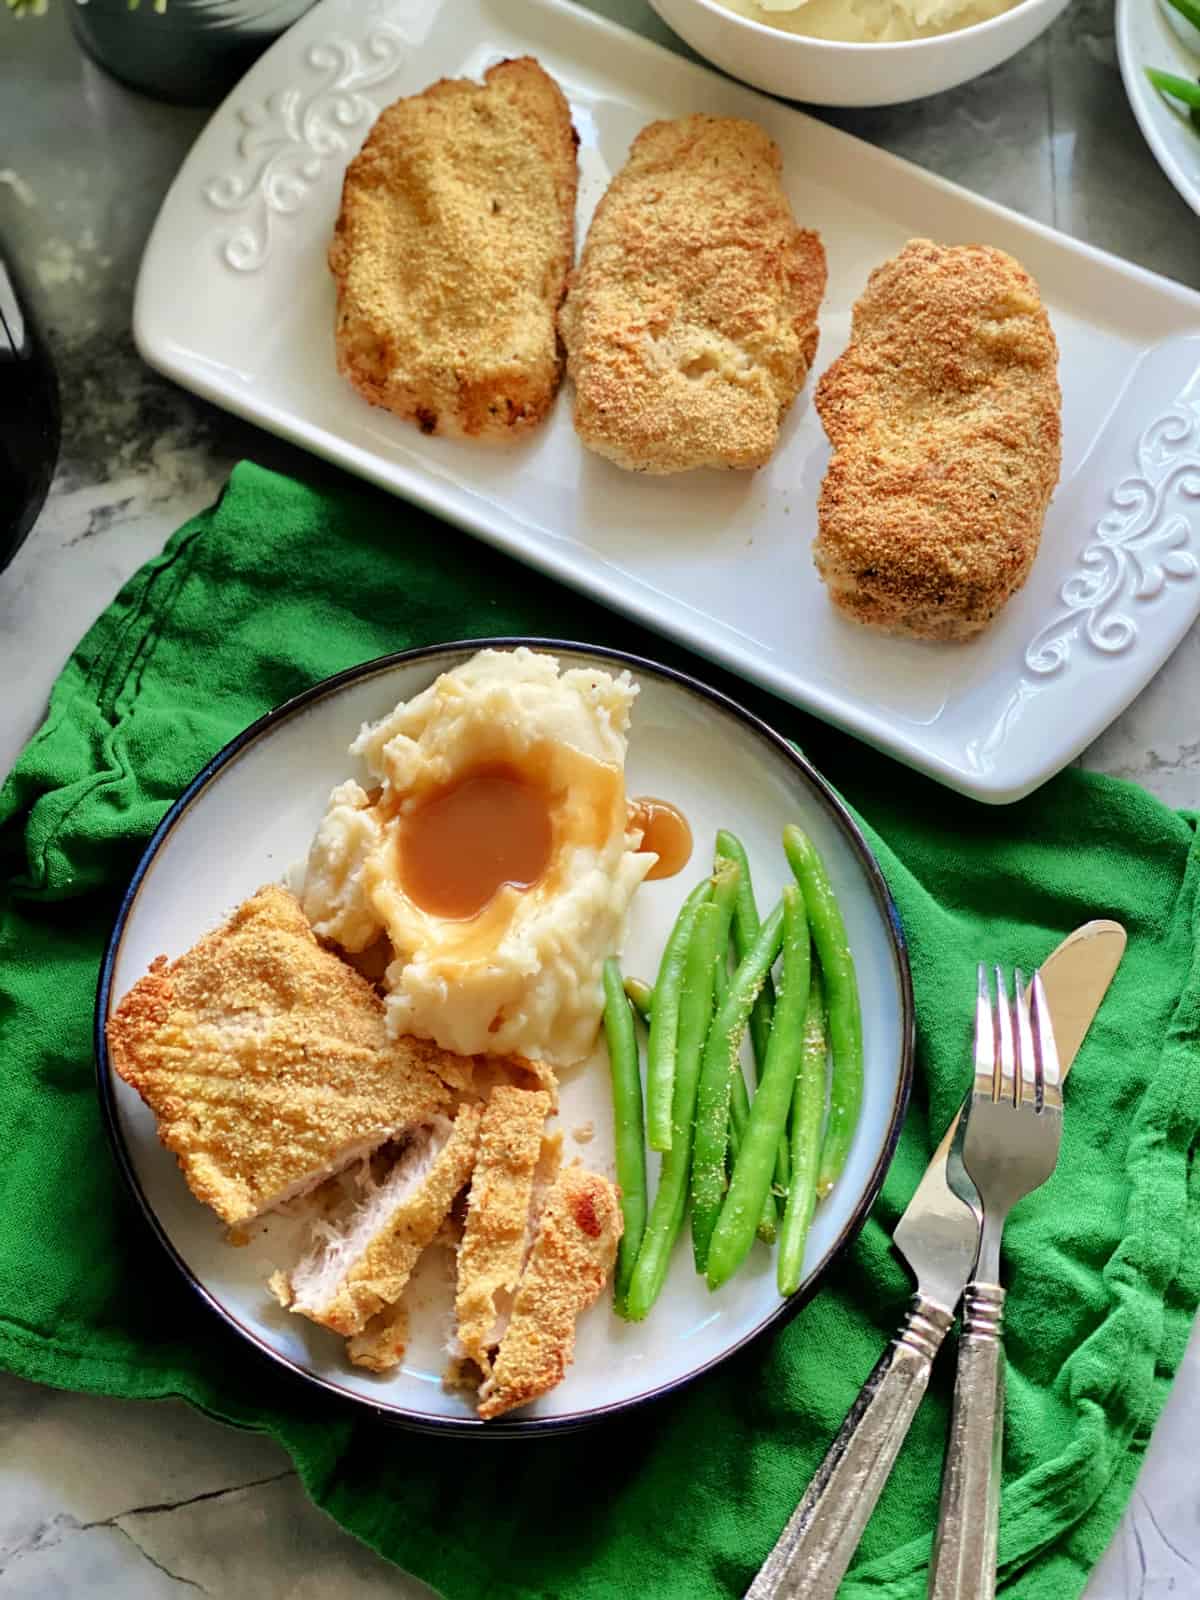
[
  {"x": 382, "y": 1343},
  {"x": 944, "y": 417},
  {"x": 452, "y": 247},
  {"x": 484, "y": 1073},
  {"x": 494, "y": 1240},
  {"x": 266, "y": 1062},
  {"x": 379, "y": 1263},
  {"x": 572, "y": 1256},
  {"x": 691, "y": 320}
]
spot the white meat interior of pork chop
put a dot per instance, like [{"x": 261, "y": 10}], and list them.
[{"x": 360, "y": 1211}]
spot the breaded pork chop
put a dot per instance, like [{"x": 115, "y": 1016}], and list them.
[
  {"x": 944, "y": 417},
  {"x": 451, "y": 252},
  {"x": 266, "y": 1062},
  {"x": 500, "y": 1218},
  {"x": 572, "y": 1256},
  {"x": 382, "y": 1343},
  {"x": 691, "y": 321},
  {"x": 360, "y": 1264}
]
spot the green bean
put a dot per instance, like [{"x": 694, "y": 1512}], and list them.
[
  {"x": 745, "y": 929},
  {"x": 726, "y": 878},
  {"x": 739, "y": 1115},
  {"x": 670, "y": 1201},
  {"x": 1188, "y": 9},
  {"x": 717, "y": 1072},
  {"x": 739, "y": 1111},
  {"x": 727, "y": 875},
  {"x": 739, "y": 1104},
  {"x": 720, "y": 980},
  {"x": 746, "y": 924},
  {"x": 1179, "y": 88},
  {"x": 664, "y": 1021},
  {"x": 641, "y": 995},
  {"x": 845, "y": 1012},
  {"x": 1169, "y": 83},
  {"x": 808, "y": 1113},
  {"x": 630, "y": 1138},
  {"x": 735, "y": 1227},
  {"x": 768, "y": 1223}
]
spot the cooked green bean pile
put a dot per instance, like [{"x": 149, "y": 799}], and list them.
[{"x": 750, "y": 1167}]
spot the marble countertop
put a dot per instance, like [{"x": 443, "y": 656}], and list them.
[{"x": 140, "y": 1501}]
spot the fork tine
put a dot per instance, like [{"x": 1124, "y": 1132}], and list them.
[
  {"x": 1026, "y": 1087},
  {"x": 985, "y": 1036},
  {"x": 1039, "y": 1074},
  {"x": 1047, "y": 1049},
  {"x": 1008, "y": 1055}
]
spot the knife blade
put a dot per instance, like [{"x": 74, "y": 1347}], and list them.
[
  {"x": 1076, "y": 975},
  {"x": 938, "y": 1235}
]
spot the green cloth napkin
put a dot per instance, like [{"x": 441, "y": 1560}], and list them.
[{"x": 280, "y": 585}]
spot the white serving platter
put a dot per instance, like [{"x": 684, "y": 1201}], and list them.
[
  {"x": 235, "y": 301},
  {"x": 250, "y": 817},
  {"x": 1148, "y": 35}
]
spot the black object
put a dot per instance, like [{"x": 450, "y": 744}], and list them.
[
  {"x": 30, "y": 422},
  {"x": 191, "y": 52}
]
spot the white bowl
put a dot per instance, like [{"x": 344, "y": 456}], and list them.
[
  {"x": 825, "y": 72},
  {"x": 1157, "y": 36}
]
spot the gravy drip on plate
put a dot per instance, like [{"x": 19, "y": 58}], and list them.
[
  {"x": 664, "y": 830},
  {"x": 488, "y": 828}
]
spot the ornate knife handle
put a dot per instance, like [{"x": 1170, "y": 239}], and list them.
[
  {"x": 964, "y": 1552},
  {"x": 813, "y": 1551}
]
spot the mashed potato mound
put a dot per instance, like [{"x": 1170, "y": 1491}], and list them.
[
  {"x": 869, "y": 21},
  {"x": 524, "y": 974}
]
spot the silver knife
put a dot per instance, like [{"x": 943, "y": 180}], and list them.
[{"x": 938, "y": 1236}]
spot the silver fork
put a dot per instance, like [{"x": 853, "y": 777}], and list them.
[{"x": 1006, "y": 1146}]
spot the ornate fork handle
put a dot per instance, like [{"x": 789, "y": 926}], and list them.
[
  {"x": 815, "y": 1548},
  {"x": 964, "y": 1553}
]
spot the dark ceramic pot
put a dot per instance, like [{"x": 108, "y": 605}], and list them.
[{"x": 191, "y": 51}]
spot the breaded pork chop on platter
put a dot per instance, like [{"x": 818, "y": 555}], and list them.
[
  {"x": 944, "y": 416},
  {"x": 691, "y": 321},
  {"x": 451, "y": 253}
]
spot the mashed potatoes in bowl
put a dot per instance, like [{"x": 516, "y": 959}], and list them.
[
  {"x": 493, "y": 851},
  {"x": 868, "y": 21},
  {"x": 855, "y": 52}
]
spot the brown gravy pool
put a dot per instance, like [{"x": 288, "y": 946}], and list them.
[
  {"x": 489, "y": 828},
  {"x": 665, "y": 830}
]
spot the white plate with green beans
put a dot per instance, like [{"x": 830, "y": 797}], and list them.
[
  {"x": 1159, "y": 52},
  {"x": 724, "y": 769}
]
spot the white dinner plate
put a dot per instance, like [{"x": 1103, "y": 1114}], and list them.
[
  {"x": 1146, "y": 38},
  {"x": 249, "y": 818},
  {"x": 235, "y": 300}
]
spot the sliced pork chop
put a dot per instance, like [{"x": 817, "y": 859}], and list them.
[
  {"x": 360, "y": 1262},
  {"x": 572, "y": 1256},
  {"x": 266, "y": 1062},
  {"x": 502, "y": 1213}
]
